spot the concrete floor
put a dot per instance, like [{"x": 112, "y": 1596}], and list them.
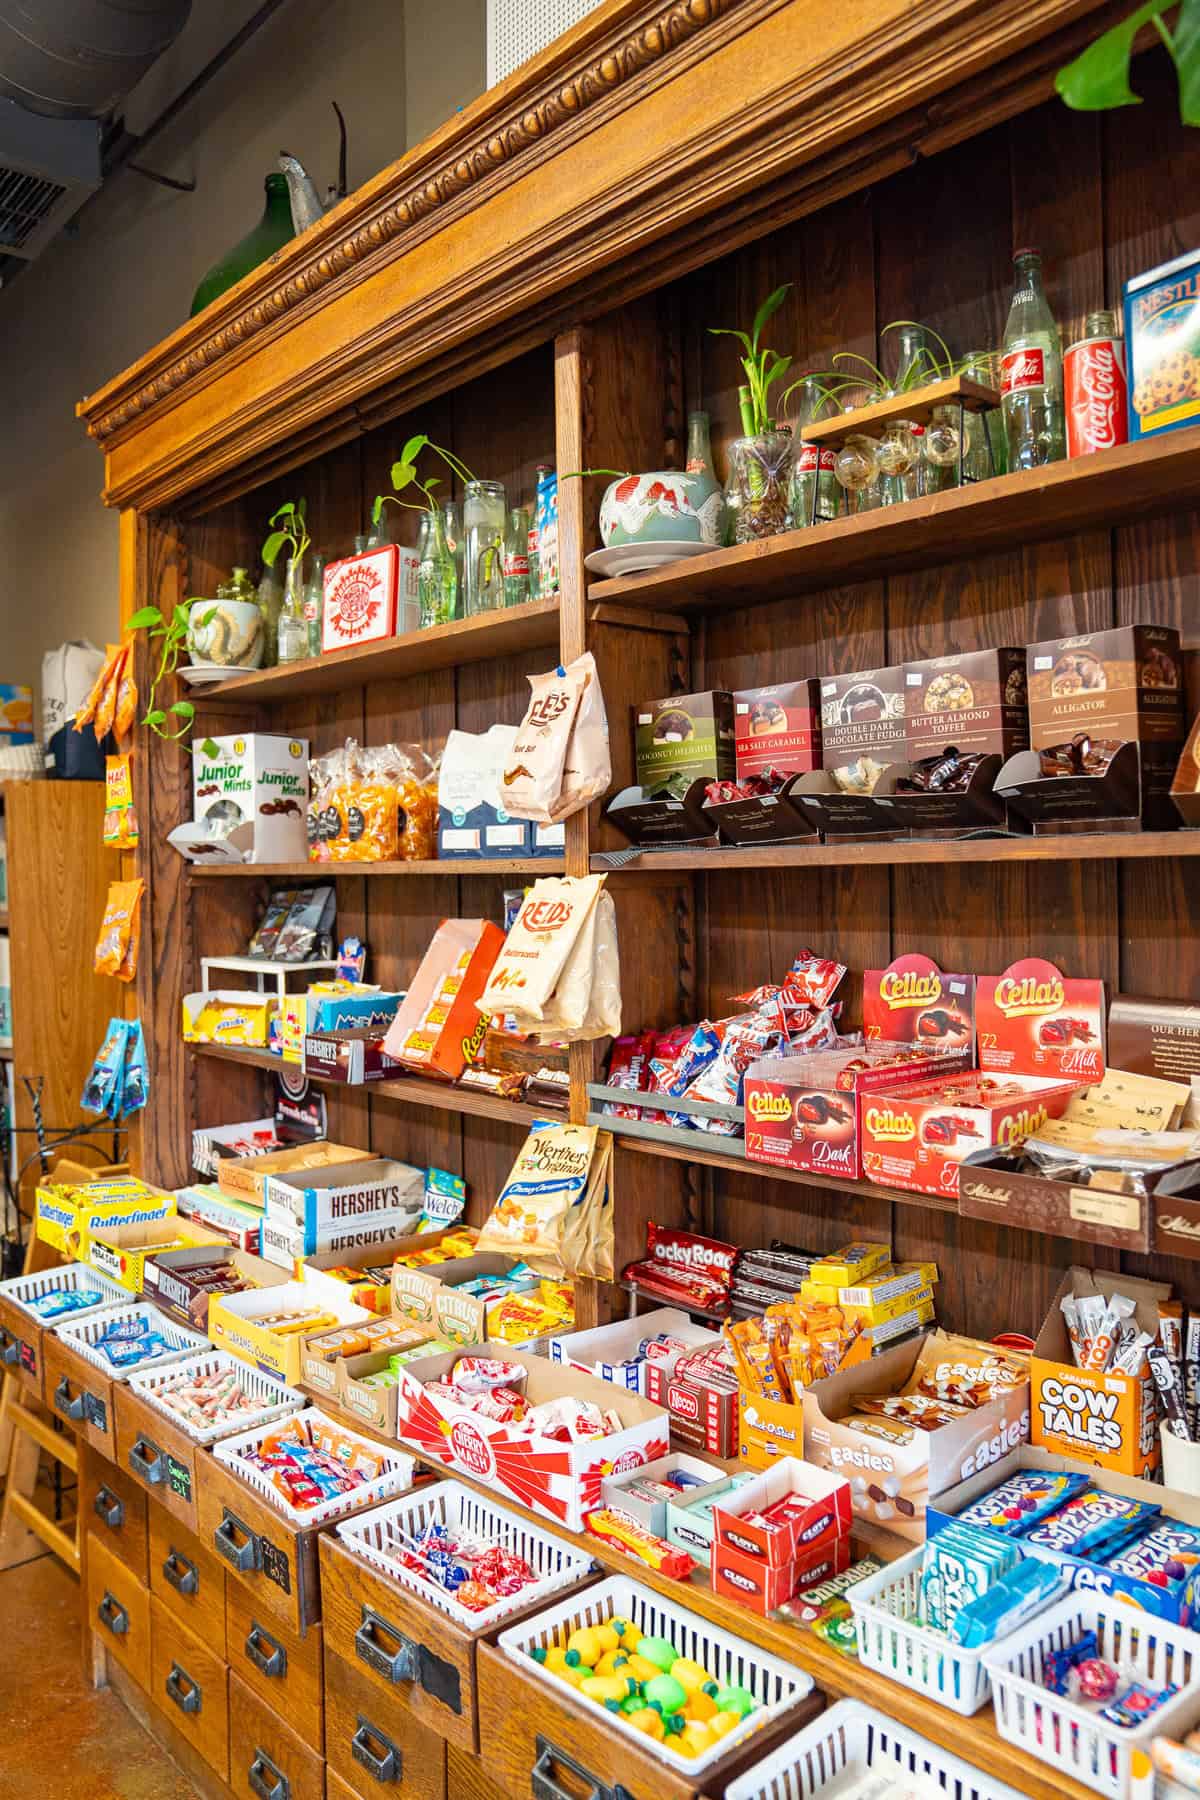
[{"x": 61, "y": 1739}]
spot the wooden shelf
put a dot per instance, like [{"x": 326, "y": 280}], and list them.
[
  {"x": 1129, "y": 482},
  {"x": 694, "y": 1152},
  {"x": 412, "y": 1091},
  {"x": 506, "y": 633},
  {"x": 449, "y": 865},
  {"x": 1096, "y": 846},
  {"x": 841, "y": 1677}
]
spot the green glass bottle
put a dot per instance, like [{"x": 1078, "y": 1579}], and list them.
[{"x": 273, "y": 230}]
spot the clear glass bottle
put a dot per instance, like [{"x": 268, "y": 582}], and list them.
[
  {"x": 534, "y": 577},
  {"x": 516, "y": 558},
  {"x": 293, "y": 626},
  {"x": 1031, "y": 378},
  {"x": 983, "y": 366},
  {"x": 270, "y": 599},
  {"x": 452, "y": 527},
  {"x": 314, "y": 603},
  {"x": 759, "y": 485},
  {"x": 437, "y": 577},
  {"x": 483, "y": 524}
]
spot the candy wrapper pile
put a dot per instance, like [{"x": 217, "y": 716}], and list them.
[
  {"x": 478, "y": 1572},
  {"x": 309, "y": 1461},
  {"x": 219, "y": 1398},
  {"x": 58, "y": 1302},
  {"x": 127, "y": 1342},
  {"x": 493, "y": 1389},
  {"x": 1104, "y": 1334},
  {"x": 707, "y": 1061}
]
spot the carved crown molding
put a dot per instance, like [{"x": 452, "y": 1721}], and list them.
[{"x": 331, "y": 250}]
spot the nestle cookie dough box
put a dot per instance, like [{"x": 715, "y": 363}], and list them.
[
  {"x": 1107, "y": 1419},
  {"x": 892, "y": 1482},
  {"x": 249, "y": 801},
  {"x": 560, "y": 1480}
]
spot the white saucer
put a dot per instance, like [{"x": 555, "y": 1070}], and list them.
[
  {"x": 201, "y": 674},
  {"x": 635, "y": 559}
]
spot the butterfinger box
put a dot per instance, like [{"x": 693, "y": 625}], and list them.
[
  {"x": 1108, "y": 1419},
  {"x": 892, "y": 1481}
]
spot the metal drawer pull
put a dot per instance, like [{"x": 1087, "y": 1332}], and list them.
[
  {"x": 146, "y": 1461},
  {"x": 244, "y": 1556},
  {"x": 267, "y": 1781},
  {"x": 183, "y": 1690},
  {"x": 401, "y": 1664},
  {"x": 545, "y": 1787},
  {"x": 109, "y": 1507},
  {"x": 182, "y": 1573},
  {"x": 110, "y": 1612},
  {"x": 265, "y": 1652},
  {"x": 70, "y": 1409},
  {"x": 384, "y": 1768},
  {"x": 10, "y": 1349}
]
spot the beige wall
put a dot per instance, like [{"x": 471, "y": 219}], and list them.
[{"x": 103, "y": 294}]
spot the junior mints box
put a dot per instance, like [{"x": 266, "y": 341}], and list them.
[{"x": 258, "y": 781}]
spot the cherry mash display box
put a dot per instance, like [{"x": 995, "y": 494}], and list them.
[
  {"x": 1040, "y": 1038},
  {"x": 369, "y": 596},
  {"x": 560, "y": 1480}
]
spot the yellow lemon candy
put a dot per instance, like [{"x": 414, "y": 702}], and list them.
[
  {"x": 584, "y": 1646},
  {"x": 689, "y": 1674},
  {"x": 606, "y": 1637},
  {"x": 649, "y": 1721},
  {"x": 576, "y": 1677},
  {"x": 627, "y": 1631},
  {"x": 607, "y": 1664},
  {"x": 604, "y": 1687},
  {"x": 556, "y": 1659},
  {"x": 641, "y": 1668},
  {"x": 721, "y": 1723},
  {"x": 700, "y": 1706},
  {"x": 695, "y": 1737}
]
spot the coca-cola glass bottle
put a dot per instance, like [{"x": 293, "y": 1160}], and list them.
[
  {"x": 1031, "y": 379},
  {"x": 813, "y": 467}
]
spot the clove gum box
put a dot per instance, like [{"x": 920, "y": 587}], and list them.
[
  {"x": 1108, "y": 1419},
  {"x": 761, "y": 1563}
]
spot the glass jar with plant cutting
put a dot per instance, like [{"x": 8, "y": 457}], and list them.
[
  {"x": 437, "y": 578},
  {"x": 758, "y": 488},
  {"x": 290, "y": 533}
]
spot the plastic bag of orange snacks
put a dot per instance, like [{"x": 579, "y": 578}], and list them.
[
  {"x": 416, "y": 791},
  {"x": 372, "y": 805}
]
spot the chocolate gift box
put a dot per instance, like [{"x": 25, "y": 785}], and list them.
[
  {"x": 976, "y": 700},
  {"x": 777, "y": 728},
  {"x": 682, "y": 739}
]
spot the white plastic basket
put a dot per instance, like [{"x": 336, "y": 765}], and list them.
[
  {"x": 397, "y": 1471},
  {"x": 24, "y": 1288},
  {"x": 373, "y": 1535},
  {"x": 81, "y": 1335},
  {"x": 850, "y": 1741},
  {"x": 275, "y": 1400},
  {"x": 891, "y": 1640},
  {"x": 775, "y": 1684},
  {"x": 1074, "y": 1738}
]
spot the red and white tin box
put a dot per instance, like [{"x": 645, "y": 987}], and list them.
[{"x": 370, "y": 596}]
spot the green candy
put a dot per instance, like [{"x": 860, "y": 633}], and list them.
[
  {"x": 539, "y": 1656},
  {"x": 658, "y": 1650},
  {"x": 711, "y": 1689},
  {"x": 665, "y": 1693},
  {"x": 735, "y": 1699},
  {"x": 633, "y": 1703},
  {"x": 674, "y": 1725},
  {"x": 572, "y": 1659}
]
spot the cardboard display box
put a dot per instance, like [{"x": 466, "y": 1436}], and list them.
[
  {"x": 1178, "y": 1605},
  {"x": 169, "y": 1285},
  {"x": 1185, "y": 783},
  {"x": 234, "y": 1325},
  {"x": 245, "y": 1177},
  {"x": 561, "y": 1481},
  {"x": 703, "y": 1411},
  {"x": 891, "y": 1484},
  {"x": 976, "y": 700},
  {"x": 358, "y": 1192},
  {"x": 350, "y": 1057},
  {"x": 652, "y": 1513},
  {"x": 761, "y": 1565},
  {"x": 683, "y": 739},
  {"x": 122, "y": 1252},
  {"x": 342, "y": 1382},
  {"x": 249, "y": 801},
  {"x": 213, "y": 1144},
  {"x": 67, "y": 1214},
  {"x": 1109, "y": 1420},
  {"x": 429, "y": 1295},
  {"x": 372, "y": 1291},
  {"x": 777, "y": 728},
  {"x": 439, "y": 1028},
  {"x": 236, "y": 1220},
  {"x": 611, "y": 1351}
]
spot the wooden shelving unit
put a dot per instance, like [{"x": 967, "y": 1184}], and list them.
[
  {"x": 1100, "y": 846},
  {"x": 320, "y": 871}
]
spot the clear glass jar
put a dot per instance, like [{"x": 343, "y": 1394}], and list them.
[
  {"x": 270, "y": 599},
  {"x": 483, "y": 524},
  {"x": 452, "y": 530},
  {"x": 759, "y": 485},
  {"x": 984, "y": 366},
  {"x": 939, "y": 451},
  {"x": 437, "y": 577},
  {"x": 857, "y": 472},
  {"x": 896, "y": 458},
  {"x": 293, "y": 626}
]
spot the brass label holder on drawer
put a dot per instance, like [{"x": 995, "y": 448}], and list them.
[
  {"x": 109, "y": 1507},
  {"x": 268, "y": 1782},
  {"x": 546, "y": 1787},
  {"x": 385, "y": 1767},
  {"x": 268, "y": 1661},
  {"x": 146, "y": 1460},
  {"x": 112, "y": 1614},
  {"x": 408, "y": 1662},
  {"x": 70, "y": 1407}
]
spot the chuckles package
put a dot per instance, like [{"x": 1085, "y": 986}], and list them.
[
  {"x": 555, "y": 1209},
  {"x": 558, "y": 974},
  {"x": 560, "y": 757}
]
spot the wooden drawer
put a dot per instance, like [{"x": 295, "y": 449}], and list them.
[
  {"x": 406, "y": 1648},
  {"x": 188, "y": 1579},
  {"x": 468, "y": 1779},
  {"x": 276, "y": 1663},
  {"x": 118, "y": 1609},
  {"x": 276, "y": 1561},
  {"x": 189, "y": 1683},
  {"x": 376, "y": 1746},
  {"x": 158, "y": 1455},
  {"x": 267, "y": 1761},
  {"x": 530, "y": 1733},
  {"x": 21, "y": 1346},
  {"x": 113, "y": 1508},
  {"x": 80, "y": 1393}
]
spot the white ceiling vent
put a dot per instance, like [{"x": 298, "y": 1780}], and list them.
[
  {"x": 518, "y": 29},
  {"x": 48, "y": 167}
]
